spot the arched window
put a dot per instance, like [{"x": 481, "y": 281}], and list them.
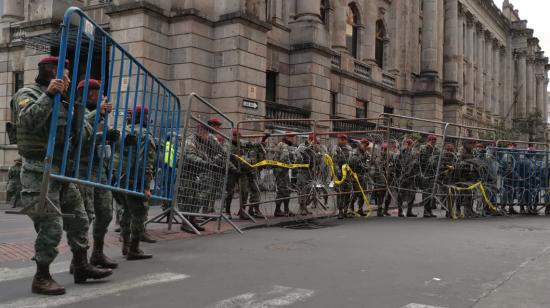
[
  {"x": 352, "y": 21},
  {"x": 324, "y": 11},
  {"x": 380, "y": 40}
]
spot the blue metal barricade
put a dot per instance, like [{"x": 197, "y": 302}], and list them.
[{"x": 145, "y": 113}]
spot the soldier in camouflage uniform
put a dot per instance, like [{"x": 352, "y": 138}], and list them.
[
  {"x": 360, "y": 161},
  {"x": 35, "y": 103},
  {"x": 509, "y": 184},
  {"x": 97, "y": 201},
  {"x": 341, "y": 155},
  {"x": 465, "y": 174},
  {"x": 134, "y": 208},
  {"x": 382, "y": 167},
  {"x": 14, "y": 187},
  {"x": 407, "y": 168},
  {"x": 286, "y": 153},
  {"x": 428, "y": 156},
  {"x": 307, "y": 153}
]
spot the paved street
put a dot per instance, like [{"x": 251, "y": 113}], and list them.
[{"x": 390, "y": 262}]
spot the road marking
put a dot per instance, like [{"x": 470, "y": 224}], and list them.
[
  {"x": 89, "y": 292},
  {"x": 278, "y": 296},
  {"x": 7, "y": 273},
  {"x": 413, "y": 305}
]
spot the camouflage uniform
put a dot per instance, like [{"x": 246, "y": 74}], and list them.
[
  {"x": 360, "y": 161},
  {"x": 341, "y": 155},
  {"x": 306, "y": 154},
  {"x": 428, "y": 156},
  {"x": 32, "y": 138},
  {"x": 407, "y": 166},
  {"x": 250, "y": 192},
  {"x": 382, "y": 167},
  {"x": 134, "y": 208},
  {"x": 286, "y": 153},
  {"x": 14, "y": 186},
  {"x": 466, "y": 174}
]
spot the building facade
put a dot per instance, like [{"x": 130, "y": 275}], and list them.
[{"x": 460, "y": 61}]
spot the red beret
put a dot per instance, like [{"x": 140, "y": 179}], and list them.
[
  {"x": 384, "y": 146},
  {"x": 432, "y": 137},
  {"x": 311, "y": 136},
  {"x": 409, "y": 141},
  {"x": 92, "y": 84},
  {"x": 53, "y": 60},
  {"x": 342, "y": 136},
  {"x": 365, "y": 141},
  {"x": 450, "y": 147},
  {"x": 214, "y": 122},
  {"x": 138, "y": 110}
]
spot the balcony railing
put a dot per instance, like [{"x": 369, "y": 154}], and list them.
[
  {"x": 17, "y": 35},
  {"x": 336, "y": 60},
  {"x": 362, "y": 70},
  {"x": 275, "y": 111},
  {"x": 388, "y": 80},
  {"x": 346, "y": 125}
]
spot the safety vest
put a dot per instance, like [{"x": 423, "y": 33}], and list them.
[{"x": 169, "y": 154}]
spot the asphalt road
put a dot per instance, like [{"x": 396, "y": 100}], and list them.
[{"x": 389, "y": 262}]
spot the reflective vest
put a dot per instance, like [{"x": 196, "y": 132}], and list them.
[{"x": 169, "y": 154}]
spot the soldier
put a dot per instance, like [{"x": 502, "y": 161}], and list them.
[
  {"x": 407, "y": 168},
  {"x": 448, "y": 161},
  {"x": 428, "y": 156},
  {"x": 382, "y": 167},
  {"x": 360, "y": 160},
  {"x": 134, "y": 213},
  {"x": 307, "y": 153},
  {"x": 35, "y": 103},
  {"x": 97, "y": 201},
  {"x": 286, "y": 152},
  {"x": 341, "y": 156},
  {"x": 467, "y": 173},
  {"x": 13, "y": 187},
  {"x": 509, "y": 181}
]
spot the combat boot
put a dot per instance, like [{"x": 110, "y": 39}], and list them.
[
  {"x": 362, "y": 213},
  {"x": 512, "y": 211},
  {"x": 43, "y": 282},
  {"x": 125, "y": 244},
  {"x": 411, "y": 214},
  {"x": 400, "y": 213},
  {"x": 340, "y": 214},
  {"x": 288, "y": 213},
  {"x": 379, "y": 212},
  {"x": 146, "y": 237},
  {"x": 135, "y": 253},
  {"x": 278, "y": 212},
  {"x": 303, "y": 210},
  {"x": 83, "y": 270},
  {"x": 98, "y": 258}
]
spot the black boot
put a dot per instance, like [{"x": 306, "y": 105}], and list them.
[
  {"x": 362, "y": 213},
  {"x": 83, "y": 270},
  {"x": 125, "y": 244},
  {"x": 278, "y": 212},
  {"x": 135, "y": 253},
  {"x": 288, "y": 213},
  {"x": 257, "y": 212},
  {"x": 410, "y": 213},
  {"x": 341, "y": 214},
  {"x": 98, "y": 258},
  {"x": 379, "y": 212},
  {"x": 43, "y": 282},
  {"x": 400, "y": 213}
]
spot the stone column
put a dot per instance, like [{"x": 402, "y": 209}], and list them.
[
  {"x": 450, "y": 75},
  {"x": 522, "y": 85},
  {"x": 429, "y": 38},
  {"x": 309, "y": 10},
  {"x": 470, "y": 81},
  {"x": 529, "y": 85},
  {"x": 540, "y": 93},
  {"x": 496, "y": 79},
  {"x": 479, "y": 63},
  {"x": 545, "y": 97},
  {"x": 13, "y": 10},
  {"x": 339, "y": 26},
  {"x": 277, "y": 9},
  {"x": 488, "y": 73},
  {"x": 370, "y": 36},
  {"x": 460, "y": 60}
]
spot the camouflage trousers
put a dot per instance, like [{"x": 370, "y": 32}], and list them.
[
  {"x": 13, "y": 187},
  {"x": 406, "y": 194},
  {"x": 250, "y": 193},
  {"x": 99, "y": 207},
  {"x": 344, "y": 197},
  {"x": 49, "y": 228},
  {"x": 282, "y": 181},
  {"x": 134, "y": 214}
]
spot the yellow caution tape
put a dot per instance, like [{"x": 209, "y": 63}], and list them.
[
  {"x": 345, "y": 170},
  {"x": 271, "y": 163},
  {"x": 481, "y": 188}
]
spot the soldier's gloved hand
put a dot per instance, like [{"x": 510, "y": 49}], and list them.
[
  {"x": 113, "y": 135},
  {"x": 131, "y": 140}
]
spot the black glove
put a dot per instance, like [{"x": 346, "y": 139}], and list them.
[
  {"x": 131, "y": 140},
  {"x": 113, "y": 135}
]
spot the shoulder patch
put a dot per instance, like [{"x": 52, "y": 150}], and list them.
[{"x": 22, "y": 103}]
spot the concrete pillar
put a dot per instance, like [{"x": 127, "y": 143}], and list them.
[
  {"x": 308, "y": 10},
  {"x": 545, "y": 98},
  {"x": 429, "y": 37},
  {"x": 369, "y": 35},
  {"x": 460, "y": 60},
  {"x": 470, "y": 82},
  {"x": 501, "y": 90},
  {"x": 488, "y": 73},
  {"x": 339, "y": 26},
  {"x": 479, "y": 63},
  {"x": 521, "y": 109},
  {"x": 529, "y": 86},
  {"x": 496, "y": 79},
  {"x": 277, "y": 10},
  {"x": 14, "y": 10},
  {"x": 540, "y": 93}
]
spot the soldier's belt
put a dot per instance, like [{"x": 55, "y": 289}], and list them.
[
  {"x": 345, "y": 170},
  {"x": 271, "y": 163}
]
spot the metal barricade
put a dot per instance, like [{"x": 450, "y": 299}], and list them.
[
  {"x": 145, "y": 113},
  {"x": 202, "y": 168}
]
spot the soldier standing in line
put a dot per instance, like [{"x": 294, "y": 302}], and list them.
[
  {"x": 97, "y": 201},
  {"x": 286, "y": 153},
  {"x": 341, "y": 155},
  {"x": 466, "y": 174},
  {"x": 35, "y": 104},
  {"x": 510, "y": 181},
  {"x": 134, "y": 213},
  {"x": 307, "y": 154},
  {"x": 360, "y": 160},
  {"x": 407, "y": 168},
  {"x": 428, "y": 156},
  {"x": 382, "y": 167}
]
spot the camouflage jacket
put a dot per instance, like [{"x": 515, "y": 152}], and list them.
[
  {"x": 146, "y": 154},
  {"x": 341, "y": 155}
]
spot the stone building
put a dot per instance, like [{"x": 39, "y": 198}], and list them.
[{"x": 462, "y": 61}]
